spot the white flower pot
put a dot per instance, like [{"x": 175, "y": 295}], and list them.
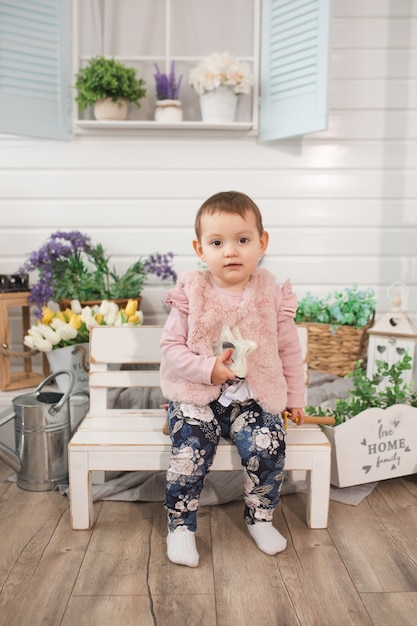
[
  {"x": 168, "y": 111},
  {"x": 219, "y": 106},
  {"x": 73, "y": 358},
  {"x": 110, "y": 110}
]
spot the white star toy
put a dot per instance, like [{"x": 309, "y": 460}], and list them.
[{"x": 232, "y": 338}]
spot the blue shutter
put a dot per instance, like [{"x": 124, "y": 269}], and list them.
[
  {"x": 295, "y": 60},
  {"x": 35, "y": 68}
]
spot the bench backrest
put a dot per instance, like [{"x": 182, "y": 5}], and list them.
[{"x": 115, "y": 346}]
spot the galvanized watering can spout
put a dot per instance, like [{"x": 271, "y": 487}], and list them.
[{"x": 42, "y": 433}]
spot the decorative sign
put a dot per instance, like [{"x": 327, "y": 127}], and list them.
[
  {"x": 74, "y": 358},
  {"x": 375, "y": 445}
]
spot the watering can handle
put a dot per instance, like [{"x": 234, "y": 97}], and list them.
[
  {"x": 6, "y": 418},
  {"x": 57, "y": 407}
]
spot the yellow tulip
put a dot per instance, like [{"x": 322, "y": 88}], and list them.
[
  {"x": 131, "y": 307},
  {"x": 67, "y": 314},
  {"x": 99, "y": 318},
  {"x": 133, "y": 319},
  {"x": 60, "y": 316},
  {"x": 47, "y": 315},
  {"x": 75, "y": 321}
]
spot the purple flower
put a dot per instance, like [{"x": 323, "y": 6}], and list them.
[
  {"x": 59, "y": 247},
  {"x": 161, "y": 265},
  {"x": 167, "y": 87}
]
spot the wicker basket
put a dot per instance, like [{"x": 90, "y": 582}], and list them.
[
  {"x": 65, "y": 303},
  {"x": 335, "y": 352}
]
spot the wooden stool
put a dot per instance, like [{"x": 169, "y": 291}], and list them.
[{"x": 25, "y": 378}]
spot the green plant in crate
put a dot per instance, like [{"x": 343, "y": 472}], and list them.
[{"x": 365, "y": 394}]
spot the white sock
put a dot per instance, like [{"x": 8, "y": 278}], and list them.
[
  {"x": 267, "y": 538},
  {"x": 181, "y": 547}
]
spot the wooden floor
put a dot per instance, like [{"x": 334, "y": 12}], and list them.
[{"x": 362, "y": 570}]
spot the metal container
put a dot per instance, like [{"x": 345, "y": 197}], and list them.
[{"x": 42, "y": 432}]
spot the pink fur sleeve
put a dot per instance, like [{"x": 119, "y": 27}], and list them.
[
  {"x": 176, "y": 297},
  {"x": 289, "y": 303}
]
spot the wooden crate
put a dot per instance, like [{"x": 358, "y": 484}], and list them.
[{"x": 9, "y": 379}]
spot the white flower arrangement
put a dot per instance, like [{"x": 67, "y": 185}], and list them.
[
  {"x": 221, "y": 69},
  {"x": 58, "y": 329}
]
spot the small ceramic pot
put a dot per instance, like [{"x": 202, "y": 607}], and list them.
[
  {"x": 168, "y": 111},
  {"x": 110, "y": 110}
]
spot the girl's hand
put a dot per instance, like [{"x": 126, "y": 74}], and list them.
[
  {"x": 220, "y": 372},
  {"x": 296, "y": 414}
]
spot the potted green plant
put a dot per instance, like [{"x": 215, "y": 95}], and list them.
[
  {"x": 374, "y": 436},
  {"x": 168, "y": 107},
  {"x": 108, "y": 85},
  {"x": 337, "y": 327},
  {"x": 71, "y": 267}
]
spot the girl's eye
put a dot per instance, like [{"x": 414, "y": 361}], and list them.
[
  {"x": 243, "y": 240},
  {"x": 216, "y": 243}
]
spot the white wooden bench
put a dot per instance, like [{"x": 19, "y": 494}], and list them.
[{"x": 111, "y": 439}]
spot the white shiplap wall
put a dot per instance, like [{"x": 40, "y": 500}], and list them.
[{"x": 340, "y": 205}]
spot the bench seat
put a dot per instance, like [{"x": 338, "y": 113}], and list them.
[{"x": 132, "y": 439}]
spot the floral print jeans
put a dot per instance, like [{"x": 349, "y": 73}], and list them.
[{"x": 195, "y": 432}]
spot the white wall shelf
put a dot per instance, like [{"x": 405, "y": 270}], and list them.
[{"x": 92, "y": 125}]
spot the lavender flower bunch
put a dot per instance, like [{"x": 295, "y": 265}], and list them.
[
  {"x": 167, "y": 86},
  {"x": 70, "y": 267},
  {"x": 59, "y": 247}
]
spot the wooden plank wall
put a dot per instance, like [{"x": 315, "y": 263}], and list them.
[{"x": 340, "y": 205}]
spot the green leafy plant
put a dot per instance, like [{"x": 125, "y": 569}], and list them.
[
  {"x": 106, "y": 78},
  {"x": 89, "y": 277},
  {"x": 365, "y": 394},
  {"x": 351, "y": 307}
]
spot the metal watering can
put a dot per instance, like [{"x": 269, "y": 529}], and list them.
[{"x": 42, "y": 432}]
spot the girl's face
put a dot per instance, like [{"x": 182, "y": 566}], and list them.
[{"x": 231, "y": 247}]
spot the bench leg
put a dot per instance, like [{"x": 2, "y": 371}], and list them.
[
  {"x": 81, "y": 499},
  {"x": 318, "y": 491}
]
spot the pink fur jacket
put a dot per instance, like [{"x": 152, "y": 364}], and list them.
[{"x": 263, "y": 312}]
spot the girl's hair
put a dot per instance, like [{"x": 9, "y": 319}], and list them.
[{"x": 228, "y": 202}]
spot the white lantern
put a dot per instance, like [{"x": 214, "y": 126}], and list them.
[{"x": 390, "y": 338}]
